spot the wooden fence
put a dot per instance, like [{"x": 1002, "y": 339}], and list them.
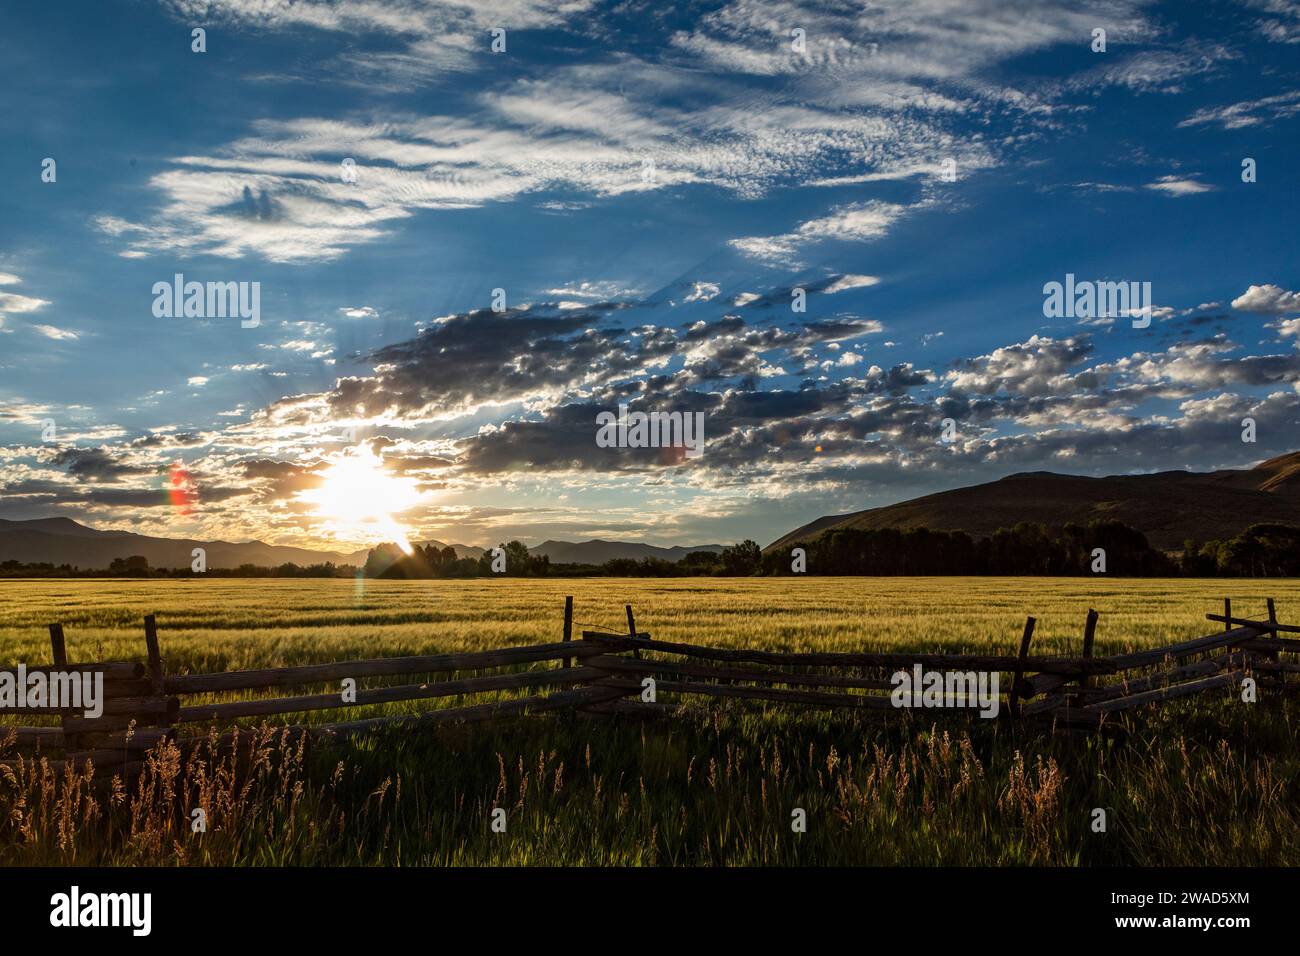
[{"x": 630, "y": 673}]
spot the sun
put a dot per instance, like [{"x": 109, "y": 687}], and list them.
[{"x": 358, "y": 498}]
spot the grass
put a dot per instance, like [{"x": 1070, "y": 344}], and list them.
[{"x": 1202, "y": 781}]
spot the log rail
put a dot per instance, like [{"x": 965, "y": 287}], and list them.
[{"x": 626, "y": 674}]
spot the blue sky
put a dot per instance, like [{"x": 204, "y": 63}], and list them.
[{"x": 647, "y": 185}]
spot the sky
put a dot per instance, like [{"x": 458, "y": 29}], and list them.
[{"x": 472, "y": 227}]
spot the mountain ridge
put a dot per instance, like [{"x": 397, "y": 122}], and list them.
[
  {"x": 1168, "y": 506},
  {"x": 62, "y": 540}
]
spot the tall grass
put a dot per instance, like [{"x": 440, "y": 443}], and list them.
[
  {"x": 1206, "y": 780},
  {"x": 716, "y": 786}
]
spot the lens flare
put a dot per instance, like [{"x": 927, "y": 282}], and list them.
[{"x": 182, "y": 491}]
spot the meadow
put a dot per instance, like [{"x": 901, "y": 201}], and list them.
[{"x": 1203, "y": 781}]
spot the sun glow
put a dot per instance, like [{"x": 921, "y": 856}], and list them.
[{"x": 359, "y": 498}]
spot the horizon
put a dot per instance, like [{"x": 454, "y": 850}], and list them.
[{"x": 450, "y": 262}]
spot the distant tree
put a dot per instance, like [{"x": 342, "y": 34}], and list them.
[
  {"x": 741, "y": 559},
  {"x": 136, "y": 565}
]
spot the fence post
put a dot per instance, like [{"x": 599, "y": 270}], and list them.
[
  {"x": 155, "y": 658},
  {"x": 1089, "y": 635},
  {"x": 1227, "y": 614},
  {"x": 631, "y": 629},
  {"x": 1013, "y": 697},
  {"x": 57, "y": 645},
  {"x": 1275, "y": 655},
  {"x": 568, "y": 626}
]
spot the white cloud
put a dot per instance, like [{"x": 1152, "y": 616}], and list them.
[
  {"x": 59, "y": 335},
  {"x": 360, "y": 312},
  {"x": 1179, "y": 186},
  {"x": 602, "y": 291},
  {"x": 856, "y": 222},
  {"x": 1267, "y": 300},
  {"x": 703, "y": 292},
  {"x": 11, "y": 303},
  {"x": 846, "y": 282},
  {"x": 1247, "y": 112}
]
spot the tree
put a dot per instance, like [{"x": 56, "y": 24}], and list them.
[
  {"x": 740, "y": 560},
  {"x": 136, "y": 565}
]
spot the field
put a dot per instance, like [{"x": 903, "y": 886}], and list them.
[{"x": 1208, "y": 781}]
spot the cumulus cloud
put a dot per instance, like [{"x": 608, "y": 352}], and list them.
[{"x": 1267, "y": 299}]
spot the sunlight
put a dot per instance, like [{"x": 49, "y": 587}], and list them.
[{"x": 359, "y": 498}]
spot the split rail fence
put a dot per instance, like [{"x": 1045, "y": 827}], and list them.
[{"x": 606, "y": 673}]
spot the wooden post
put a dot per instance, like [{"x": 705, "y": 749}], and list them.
[
  {"x": 568, "y": 626},
  {"x": 60, "y": 651},
  {"x": 1013, "y": 696},
  {"x": 1227, "y": 614},
  {"x": 155, "y": 658},
  {"x": 1272, "y": 619},
  {"x": 631, "y": 629},
  {"x": 57, "y": 645},
  {"x": 1089, "y": 634}
]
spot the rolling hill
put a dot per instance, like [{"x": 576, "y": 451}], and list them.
[
  {"x": 64, "y": 541},
  {"x": 1168, "y": 507}
]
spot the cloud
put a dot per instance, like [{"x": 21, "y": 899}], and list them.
[
  {"x": 855, "y": 222},
  {"x": 881, "y": 96},
  {"x": 1246, "y": 113},
  {"x": 846, "y": 282},
  {"x": 595, "y": 291},
  {"x": 360, "y": 312},
  {"x": 1156, "y": 70},
  {"x": 703, "y": 292},
  {"x": 11, "y": 303},
  {"x": 1267, "y": 299},
  {"x": 59, "y": 335},
  {"x": 1280, "y": 22},
  {"x": 1179, "y": 186},
  {"x": 435, "y": 35},
  {"x": 1039, "y": 366},
  {"x": 94, "y": 464}
]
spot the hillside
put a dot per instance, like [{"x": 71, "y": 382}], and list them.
[
  {"x": 64, "y": 541},
  {"x": 1168, "y": 507}
]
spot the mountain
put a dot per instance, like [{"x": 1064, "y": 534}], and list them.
[
  {"x": 64, "y": 541},
  {"x": 596, "y": 551},
  {"x": 1168, "y": 507}
]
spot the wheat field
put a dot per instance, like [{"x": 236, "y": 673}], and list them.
[
  {"x": 1200, "y": 781},
  {"x": 231, "y": 623}
]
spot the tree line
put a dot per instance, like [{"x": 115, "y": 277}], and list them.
[{"x": 1027, "y": 549}]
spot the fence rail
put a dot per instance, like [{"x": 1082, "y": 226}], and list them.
[{"x": 607, "y": 673}]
